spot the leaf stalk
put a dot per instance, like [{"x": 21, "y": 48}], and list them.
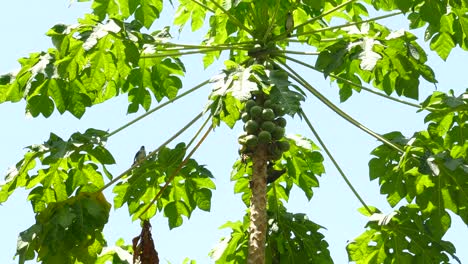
[
  {"x": 355, "y": 84},
  {"x": 335, "y": 163},
  {"x": 157, "y": 108},
  {"x": 336, "y": 109}
]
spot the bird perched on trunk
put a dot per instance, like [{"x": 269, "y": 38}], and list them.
[
  {"x": 140, "y": 155},
  {"x": 289, "y": 23}
]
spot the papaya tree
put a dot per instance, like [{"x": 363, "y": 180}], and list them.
[{"x": 116, "y": 50}]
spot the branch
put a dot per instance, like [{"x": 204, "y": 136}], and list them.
[
  {"x": 347, "y": 25},
  {"x": 152, "y": 153},
  {"x": 355, "y": 84},
  {"x": 176, "y": 171},
  {"x": 321, "y": 40},
  {"x": 334, "y": 162},
  {"x": 314, "y": 19},
  {"x": 200, "y": 51},
  {"x": 282, "y": 52},
  {"x": 199, "y": 130},
  {"x": 157, "y": 108},
  {"x": 324, "y": 14},
  {"x": 336, "y": 109},
  {"x": 234, "y": 20},
  {"x": 228, "y": 46}
]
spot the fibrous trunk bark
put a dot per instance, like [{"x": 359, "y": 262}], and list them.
[{"x": 258, "y": 215}]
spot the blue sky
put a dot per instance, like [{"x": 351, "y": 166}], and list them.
[{"x": 332, "y": 206}]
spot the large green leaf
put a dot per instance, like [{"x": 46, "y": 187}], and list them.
[
  {"x": 190, "y": 10},
  {"x": 190, "y": 187},
  {"x": 281, "y": 94},
  {"x": 235, "y": 85},
  {"x": 291, "y": 238},
  {"x": 91, "y": 63},
  {"x": 145, "y": 11},
  {"x": 405, "y": 236},
  {"x": 433, "y": 171},
  {"x": 233, "y": 249},
  {"x": 67, "y": 232},
  {"x": 391, "y": 60},
  {"x": 447, "y": 23},
  {"x": 67, "y": 167}
]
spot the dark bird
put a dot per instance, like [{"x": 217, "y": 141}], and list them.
[
  {"x": 140, "y": 155},
  {"x": 289, "y": 23},
  {"x": 272, "y": 174}
]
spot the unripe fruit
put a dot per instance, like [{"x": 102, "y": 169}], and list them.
[
  {"x": 268, "y": 114},
  {"x": 278, "y": 133},
  {"x": 274, "y": 152},
  {"x": 256, "y": 111},
  {"x": 245, "y": 117},
  {"x": 249, "y": 104},
  {"x": 279, "y": 110},
  {"x": 251, "y": 127},
  {"x": 251, "y": 141},
  {"x": 264, "y": 137},
  {"x": 241, "y": 139},
  {"x": 283, "y": 145},
  {"x": 276, "y": 155},
  {"x": 268, "y": 126},
  {"x": 280, "y": 121},
  {"x": 267, "y": 104}
]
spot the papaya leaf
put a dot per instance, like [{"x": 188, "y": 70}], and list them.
[
  {"x": 189, "y": 10},
  {"x": 281, "y": 94},
  {"x": 190, "y": 188},
  {"x": 407, "y": 235},
  {"x": 67, "y": 231},
  {"x": 231, "y": 88},
  {"x": 66, "y": 167},
  {"x": 92, "y": 62},
  {"x": 233, "y": 248},
  {"x": 391, "y": 60},
  {"x": 291, "y": 238},
  {"x": 433, "y": 169}
]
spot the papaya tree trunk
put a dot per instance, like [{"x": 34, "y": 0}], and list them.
[{"x": 258, "y": 215}]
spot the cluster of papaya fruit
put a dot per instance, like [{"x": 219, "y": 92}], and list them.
[{"x": 263, "y": 125}]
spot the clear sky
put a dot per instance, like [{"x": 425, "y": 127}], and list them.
[{"x": 24, "y": 24}]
